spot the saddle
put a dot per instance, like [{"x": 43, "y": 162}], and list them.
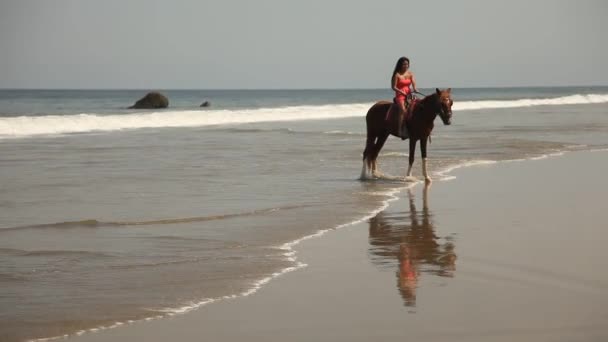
[
  {"x": 408, "y": 111},
  {"x": 392, "y": 110}
]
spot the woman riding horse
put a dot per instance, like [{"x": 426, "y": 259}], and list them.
[
  {"x": 420, "y": 126},
  {"x": 401, "y": 82}
]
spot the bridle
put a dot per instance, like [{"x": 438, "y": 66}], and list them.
[{"x": 442, "y": 111}]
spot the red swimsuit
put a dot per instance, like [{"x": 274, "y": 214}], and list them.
[{"x": 404, "y": 86}]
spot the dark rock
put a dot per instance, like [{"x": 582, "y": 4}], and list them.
[
  {"x": 205, "y": 104},
  {"x": 152, "y": 100}
]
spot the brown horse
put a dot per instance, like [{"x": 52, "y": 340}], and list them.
[{"x": 419, "y": 126}]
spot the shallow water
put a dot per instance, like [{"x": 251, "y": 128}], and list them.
[{"x": 101, "y": 224}]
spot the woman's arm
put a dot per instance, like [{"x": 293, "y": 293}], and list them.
[{"x": 414, "y": 83}]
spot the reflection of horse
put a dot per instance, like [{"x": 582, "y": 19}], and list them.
[
  {"x": 413, "y": 244},
  {"x": 419, "y": 126}
]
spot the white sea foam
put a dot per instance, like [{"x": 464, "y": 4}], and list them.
[
  {"x": 444, "y": 173},
  {"x": 558, "y": 101},
  {"x": 24, "y": 126},
  {"x": 343, "y": 133},
  {"x": 59, "y": 124},
  {"x": 394, "y": 154}
]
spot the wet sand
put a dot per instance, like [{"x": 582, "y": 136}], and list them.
[{"x": 506, "y": 252}]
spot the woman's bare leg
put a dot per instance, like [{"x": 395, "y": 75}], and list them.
[{"x": 401, "y": 106}]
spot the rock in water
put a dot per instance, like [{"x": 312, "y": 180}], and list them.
[{"x": 152, "y": 100}]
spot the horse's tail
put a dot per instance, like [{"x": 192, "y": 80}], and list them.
[{"x": 371, "y": 134}]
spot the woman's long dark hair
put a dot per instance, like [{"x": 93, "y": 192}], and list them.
[{"x": 399, "y": 64}]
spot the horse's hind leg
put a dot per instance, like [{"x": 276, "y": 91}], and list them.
[
  {"x": 367, "y": 156},
  {"x": 377, "y": 147}
]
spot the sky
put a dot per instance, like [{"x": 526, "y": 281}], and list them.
[{"x": 285, "y": 44}]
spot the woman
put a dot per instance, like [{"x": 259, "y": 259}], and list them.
[{"x": 401, "y": 81}]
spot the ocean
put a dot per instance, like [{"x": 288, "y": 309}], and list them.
[{"x": 110, "y": 216}]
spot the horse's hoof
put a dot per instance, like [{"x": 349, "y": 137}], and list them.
[{"x": 428, "y": 180}]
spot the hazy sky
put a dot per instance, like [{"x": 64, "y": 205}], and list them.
[{"x": 223, "y": 44}]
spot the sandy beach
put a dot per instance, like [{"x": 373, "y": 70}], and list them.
[{"x": 503, "y": 252}]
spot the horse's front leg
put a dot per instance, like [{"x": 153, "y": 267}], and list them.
[
  {"x": 408, "y": 176},
  {"x": 423, "y": 142}
]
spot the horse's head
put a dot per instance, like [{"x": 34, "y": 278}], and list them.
[{"x": 444, "y": 98}]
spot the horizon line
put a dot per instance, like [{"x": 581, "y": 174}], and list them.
[{"x": 306, "y": 89}]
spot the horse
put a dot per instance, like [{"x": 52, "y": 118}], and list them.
[{"x": 419, "y": 126}]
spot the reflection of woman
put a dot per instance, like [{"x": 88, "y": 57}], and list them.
[
  {"x": 407, "y": 275},
  {"x": 401, "y": 82},
  {"x": 413, "y": 245}
]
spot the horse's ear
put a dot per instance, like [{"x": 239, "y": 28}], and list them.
[
  {"x": 449, "y": 90},
  {"x": 438, "y": 91}
]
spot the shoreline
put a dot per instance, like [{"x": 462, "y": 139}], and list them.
[
  {"x": 291, "y": 251},
  {"x": 290, "y": 254}
]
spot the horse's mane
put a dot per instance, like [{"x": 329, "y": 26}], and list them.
[
  {"x": 425, "y": 102},
  {"x": 428, "y": 98}
]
